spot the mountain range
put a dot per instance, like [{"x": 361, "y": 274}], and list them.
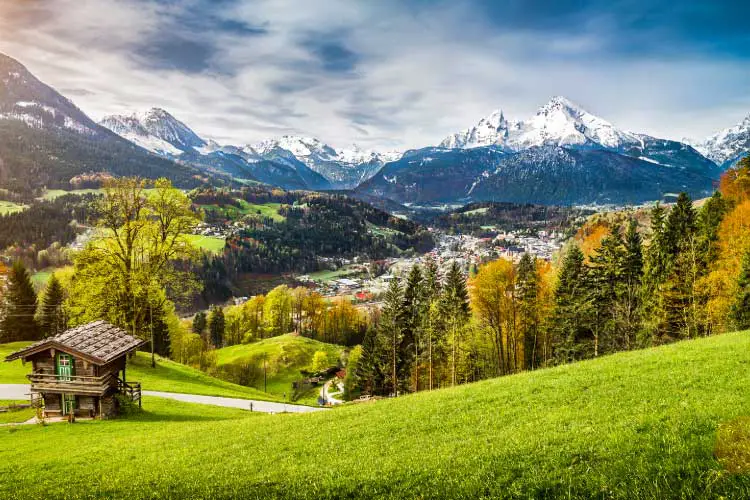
[{"x": 562, "y": 154}]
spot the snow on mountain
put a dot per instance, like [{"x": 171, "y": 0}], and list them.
[
  {"x": 155, "y": 130},
  {"x": 560, "y": 122},
  {"x": 729, "y": 145},
  {"x": 344, "y": 168}
]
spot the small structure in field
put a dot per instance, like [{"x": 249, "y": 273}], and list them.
[{"x": 81, "y": 370}]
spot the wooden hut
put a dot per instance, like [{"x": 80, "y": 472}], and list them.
[{"x": 81, "y": 370}]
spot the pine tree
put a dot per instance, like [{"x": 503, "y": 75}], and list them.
[
  {"x": 632, "y": 280},
  {"x": 390, "y": 335},
  {"x": 455, "y": 311},
  {"x": 528, "y": 294},
  {"x": 199, "y": 323},
  {"x": 51, "y": 314},
  {"x": 369, "y": 377},
  {"x": 413, "y": 318},
  {"x": 216, "y": 326},
  {"x": 740, "y": 311},
  {"x": 570, "y": 318},
  {"x": 604, "y": 280},
  {"x": 18, "y": 321},
  {"x": 680, "y": 225},
  {"x": 432, "y": 287}
]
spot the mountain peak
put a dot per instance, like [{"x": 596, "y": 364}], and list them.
[
  {"x": 728, "y": 145},
  {"x": 156, "y": 130}
]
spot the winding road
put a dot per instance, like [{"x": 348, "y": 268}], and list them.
[{"x": 21, "y": 391}]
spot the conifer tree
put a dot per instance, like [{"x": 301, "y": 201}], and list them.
[
  {"x": 432, "y": 327},
  {"x": 605, "y": 285},
  {"x": 413, "y": 318},
  {"x": 741, "y": 308},
  {"x": 51, "y": 314},
  {"x": 199, "y": 323},
  {"x": 216, "y": 326},
  {"x": 390, "y": 335},
  {"x": 18, "y": 322},
  {"x": 632, "y": 280},
  {"x": 455, "y": 310},
  {"x": 573, "y": 338},
  {"x": 528, "y": 294}
]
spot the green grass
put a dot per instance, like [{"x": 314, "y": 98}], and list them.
[
  {"x": 40, "y": 278},
  {"x": 477, "y": 211},
  {"x": 287, "y": 355},
  {"x": 51, "y": 194},
  {"x": 16, "y": 416},
  {"x": 270, "y": 210},
  {"x": 633, "y": 425},
  {"x": 14, "y": 372},
  {"x": 211, "y": 244},
  {"x": 8, "y": 207},
  {"x": 343, "y": 272}
]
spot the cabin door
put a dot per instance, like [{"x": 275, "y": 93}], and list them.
[{"x": 64, "y": 367}]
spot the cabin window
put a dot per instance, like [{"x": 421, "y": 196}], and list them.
[{"x": 64, "y": 367}]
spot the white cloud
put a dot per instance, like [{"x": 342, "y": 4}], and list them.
[{"x": 420, "y": 74}]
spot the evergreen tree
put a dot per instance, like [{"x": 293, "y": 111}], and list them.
[
  {"x": 18, "y": 321},
  {"x": 368, "y": 376},
  {"x": 528, "y": 294},
  {"x": 741, "y": 308},
  {"x": 454, "y": 309},
  {"x": 216, "y": 326},
  {"x": 604, "y": 281},
  {"x": 199, "y": 323},
  {"x": 413, "y": 318},
  {"x": 680, "y": 226},
  {"x": 573, "y": 339},
  {"x": 390, "y": 335},
  {"x": 432, "y": 327},
  {"x": 51, "y": 314},
  {"x": 632, "y": 280},
  {"x": 709, "y": 219}
]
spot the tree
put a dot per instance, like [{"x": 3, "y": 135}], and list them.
[
  {"x": 390, "y": 334},
  {"x": 529, "y": 320},
  {"x": 277, "y": 311},
  {"x": 432, "y": 289},
  {"x": 199, "y": 323},
  {"x": 216, "y": 326},
  {"x": 320, "y": 362},
  {"x": 352, "y": 383},
  {"x": 740, "y": 311},
  {"x": 18, "y": 321},
  {"x": 632, "y": 281},
  {"x": 572, "y": 335},
  {"x": 141, "y": 251},
  {"x": 51, "y": 313},
  {"x": 454, "y": 308},
  {"x": 413, "y": 318},
  {"x": 604, "y": 291}
]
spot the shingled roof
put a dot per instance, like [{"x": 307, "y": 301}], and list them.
[{"x": 99, "y": 342}]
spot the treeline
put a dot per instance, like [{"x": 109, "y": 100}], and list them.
[
  {"x": 475, "y": 218},
  {"x": 685, "y": 275},
  {"x": 36, "y": 234}
]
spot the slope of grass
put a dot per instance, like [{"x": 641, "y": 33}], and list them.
[
  {"x": 285, "y": 355},
  {"x": 15, "y": 416},
  {"x": 212, "y": 244},
  {"x": 14, "y": 372},
  {"x": 168, "y": 376},
  {"x": 633, "y": 425}
]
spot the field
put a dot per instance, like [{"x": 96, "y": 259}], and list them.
[
  {"x": 168, "y": 376},
  {"x": 643, "y": 424},
  {"x": 270, "y": 210},
  {"x": 211, "y": 244},
  {"x": 344, "y": 272},
  {"x": 17, "y": 415},
  {"x": 8, "y": 207},
  {"x": 286, "y": 356},
  {"x": 40, "y": 278},
  {"x": 51, "y": 194}
]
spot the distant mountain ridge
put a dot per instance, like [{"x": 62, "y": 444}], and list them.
[
  {"x": 563, "y": 154},
  {"x": 728, "y": 146},
  {"x": 45, "y": 140}
]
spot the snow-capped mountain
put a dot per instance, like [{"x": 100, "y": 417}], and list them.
[
  {"x": 155, "y": 130},
  {"x": 46, "y": 140},
  {"x": 728, "y": 146},
  {"x": 344, "y": 168},
  {"x": 560, "y": 122}
]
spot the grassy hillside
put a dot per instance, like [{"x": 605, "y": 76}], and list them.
[
  {"x": 168, "y": 376},
  {"x": 286, "y": 356},
  {"x": 632, "y": 425}
]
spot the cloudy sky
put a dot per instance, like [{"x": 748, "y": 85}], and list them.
[{"x": 389, "y": 74}]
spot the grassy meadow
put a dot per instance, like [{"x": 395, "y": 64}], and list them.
[
  {"x": 8, "y": 207},
  {"x": 668, "y": 422},
  {"x": 286, "y": 356},
  {"x": 212, "y": 244}
]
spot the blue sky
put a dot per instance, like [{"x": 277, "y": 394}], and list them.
[{"x": 389, "y": 74}]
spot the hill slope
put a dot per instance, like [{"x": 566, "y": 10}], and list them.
[{"x": 632, "y": 425}]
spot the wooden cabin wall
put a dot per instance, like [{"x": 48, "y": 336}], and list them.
[
  {"x": 114, "y": 366},
  {"x": 52, "y": 402},
  {"x": 43, "y": 363},
  {"x": 84, "y": 368}
]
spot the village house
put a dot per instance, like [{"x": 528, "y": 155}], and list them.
[{"x": 81, "y": 370}]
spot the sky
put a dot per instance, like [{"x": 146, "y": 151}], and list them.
[{"x": 389, "y": 74}]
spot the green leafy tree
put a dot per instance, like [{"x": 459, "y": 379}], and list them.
[
  {"x": 17, "y": 318},
  {"x": 320, "y": 362},
  {"x": 51, "y": 314}
]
